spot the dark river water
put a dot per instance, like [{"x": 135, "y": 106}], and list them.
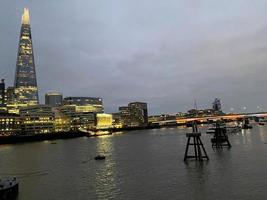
[{"x": 145, "y": 164}]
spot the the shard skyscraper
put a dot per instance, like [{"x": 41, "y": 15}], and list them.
[{"x": 25, "y": 84}]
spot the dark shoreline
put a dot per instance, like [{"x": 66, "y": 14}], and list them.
[
  {"x": 39, "y": 137},
  {"x": 68, "y": 135}
]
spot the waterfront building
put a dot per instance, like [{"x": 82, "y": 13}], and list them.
[
  {"x": 78, "y": 120},
  {"x": 25, "y": 84},
  {"x": 138, "y": 112},
  {"x": 2, "y": 96},
  {"x": 125, "y": 116},
  {"x": 53, "y": 99},
  {"x": 37, "y": 119},
  {"x": 117, "y": 120},
  {"x": 85, "y": 104},
  {"x": 12, "y": 107},
  {"x": 61, "y": 121},
  {"x": 135, "y": 114},
  {"x": 104, "y": 121},
  {"x": 9, "y": 124}
]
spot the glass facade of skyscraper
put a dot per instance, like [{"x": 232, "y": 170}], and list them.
[{"x": 25, "y": 84}]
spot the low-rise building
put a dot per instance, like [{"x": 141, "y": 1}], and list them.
[
  {"x": 104, "y": 121},
  {"x": 78, "y": 120},
  {"x": 10, "y": 124},
  {"x": 37, "y": 119},
  {"x": 62, "y": 122},
  {"x": 85, "y": 104}
]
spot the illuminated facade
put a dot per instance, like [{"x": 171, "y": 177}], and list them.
[
  {"x": 104, "y": 121},
  {"x": 117, "y": 121},
  {"x": 85, "y": 104},
  {"x": 2, "y": 96},
  {"x": 138, "y": 112},
  {"x": 12, "y": 107},
  {"x": 25, "y": 84},
  {"x": 37, "y": 119},
  {"x": 125, "y": 117},
  {"x": 78, "y": 120},
  {"x": 53, "y": 99},
  {"x": 9, "y": 124},
  {"x": 62, "y": 122},
  {"x": 134, "y": 115}
]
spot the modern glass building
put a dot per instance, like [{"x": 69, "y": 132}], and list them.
[
  {"x": 25, "y": 83},
  {"x": 85, "y": 104},
  {"x": 134, "y": 115},
  {"x": 139, "y": 114}
]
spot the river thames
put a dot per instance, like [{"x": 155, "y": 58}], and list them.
[{"x": 145, "y": 164}]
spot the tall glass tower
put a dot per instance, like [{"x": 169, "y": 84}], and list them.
[{"x": 25, "y": 84}]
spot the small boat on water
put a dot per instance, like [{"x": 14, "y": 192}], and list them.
[
  {"x": 98, "y": 133},
  {"x": 233, "y": 129},
  {"x": 246, "y": 126},
  {"x": 100, "y": 157},
  {"x": 9, "y": 188},
  {"x": 211, "y": 130}
]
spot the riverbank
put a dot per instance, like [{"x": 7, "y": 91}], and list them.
[
  {"x": 64, "y": 135},
  {"x": 74, "y": 134},
  {"x": 39, "y": 137}
]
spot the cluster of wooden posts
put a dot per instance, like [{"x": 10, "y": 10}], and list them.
[{"x": 219, "y": 140}]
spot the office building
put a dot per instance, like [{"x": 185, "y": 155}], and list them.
[
  {"x": 37, "y": 119},
  {"x": 138, "y": 112},
  {"x": 25, "y": 84},
  {"x": 134, "y": 115},
  {"x": 62, "y": 123},
  {"x": 10, "y": 124},
  {"x": 85, "y": 104},
  {"x": 2, "y": 96},
  {"x": 53, "y": 99},
  {"x": 77, "y": 119},
  {"x": 125, "y": 116}
]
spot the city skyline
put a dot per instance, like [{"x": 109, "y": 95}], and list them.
[{"x": 165, "y": 70}]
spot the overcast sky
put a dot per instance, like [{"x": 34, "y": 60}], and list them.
[{"x": 164, "y": 52}]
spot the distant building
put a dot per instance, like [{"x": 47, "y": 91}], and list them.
[
  {"x": 163, "y": 119},
  {"x": 216, "y": 105},
  {"x": 53, "y": 99},
  {"x": 125, "y": 115},
  {"x": 10, "y": 124},
  {"x": 135, "y": 114},
  {"x": 139, "y": 115},
  {"x": 85, "y": 104},
  {"x": 37, "y": 119},
  {"x": 2, "y": 96},
  {"x": 117, "y": 120}
]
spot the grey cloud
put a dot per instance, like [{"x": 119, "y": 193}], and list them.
[{"x": 167, "y": 53}]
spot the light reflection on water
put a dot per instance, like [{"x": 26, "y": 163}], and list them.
[{"x": 143, "y": 164}]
